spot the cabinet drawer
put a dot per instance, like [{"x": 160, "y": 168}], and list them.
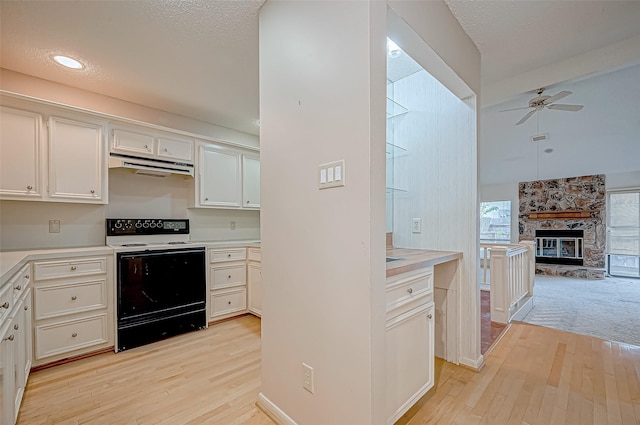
[
  {"x": 128, "y": 142},
  {"x": 232, "y": 275},
  {"x": 230, "y": 254},
  {"x": 20, "y": 282},
  {"x": 407, "y": 288},
  {"x": 255, "y": 254},
  {"x": 6, "y": 302},
  {"x": 69, "y": 268},
  {"x": 58, "y": 300},
  {"x": 228, "y": 302},
  {"x": 64, "y": 337}
]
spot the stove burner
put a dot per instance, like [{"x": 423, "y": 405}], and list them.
[{"x": 134, "y": 244}]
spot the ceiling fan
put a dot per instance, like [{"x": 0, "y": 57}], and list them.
[{"x": 540, "y": 102}]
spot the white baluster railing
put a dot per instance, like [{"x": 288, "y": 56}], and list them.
[{"x": 512, "y": 272}]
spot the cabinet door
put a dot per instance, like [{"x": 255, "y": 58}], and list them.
[
  {"x": 254, "y": 272},
  {"x": 410, "y": 359},
  {"x": 7, "y": 374},
  {"x": 250, "y": 181},
  {"x": 77, "y": 169},
  {"x": 129, "y": 143},
  {"x": 219, "y": 177},
  {"x": 22, "y": 334},
  {"x": 176, "y": 150},
  {"x": 20, "y": 154}
]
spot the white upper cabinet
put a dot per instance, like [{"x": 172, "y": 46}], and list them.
[
  {"x": 227, "y": 178},
  {"x": 20, "y": 154},
  {"x": 219, "y": 177},
  {"x": 77, "y": 161},
  {"x": 152, "y": 145},
  {"x": 250, "y": 181}
]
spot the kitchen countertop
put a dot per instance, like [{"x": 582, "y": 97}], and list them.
[
  {"x": 12, "y": 261},
  {"x": 413, "y": 259}
]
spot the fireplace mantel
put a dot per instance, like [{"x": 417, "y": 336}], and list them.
[{"x": 559, "y": 215}]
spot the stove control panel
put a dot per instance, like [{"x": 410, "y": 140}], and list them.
[{"x": 146, "y": 226}]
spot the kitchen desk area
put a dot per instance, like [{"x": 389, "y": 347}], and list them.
[{"x": 421, "y": 316}]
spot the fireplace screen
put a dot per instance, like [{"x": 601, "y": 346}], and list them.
[{"x": 559, "y": 247}]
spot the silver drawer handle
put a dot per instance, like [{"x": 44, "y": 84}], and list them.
[
  {"x": 16, "y": 327},
  {"x": 29, "y": 187},
  {"x": 26, "y": 276},
  {"x": 146, "y": 146},
  {"x": 74, "y": 268},
  {"x": 74, "y": 334},
  {"x": 5, "y": 305},
  {"x": 10, "y": 337},
  {"x": 228, "y": 255},
  {"x": 18, "y": 288},
  {"x": 73, "y": 298},
  {"x": 26, "y": 307},
  {"x": 410, "y": 290},
  {"x": 429, "y": 316},
  {"x": 229, "y": 277},
  {"x": 93, "y": 191},
  {"x": 229, "y": 303}
]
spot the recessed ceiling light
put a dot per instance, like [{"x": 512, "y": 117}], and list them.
[{"x": 68, "y": 62}]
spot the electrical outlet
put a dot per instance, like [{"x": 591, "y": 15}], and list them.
[
  {"x": 416, "y": 225},
  {"x": 54, "y": 226},
  {"x": 307, "y": 377},
  {"x": 232, "y": 225}
]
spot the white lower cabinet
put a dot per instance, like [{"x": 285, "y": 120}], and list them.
[
  {"x": 227, "y": 282},
  {"x": 15, "y": 345},
  {"x": 254, "y": 281},
  {"x": 73, "y": 307},
  {"x": 409, "y": 341}
]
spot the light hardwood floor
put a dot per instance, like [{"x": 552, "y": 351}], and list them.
[{"x": 533, "y": 376}]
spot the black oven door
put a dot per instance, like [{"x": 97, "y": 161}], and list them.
[{"x": 160, "y": 292}]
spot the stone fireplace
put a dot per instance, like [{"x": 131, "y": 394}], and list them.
[{"x": 566, "y": 218}]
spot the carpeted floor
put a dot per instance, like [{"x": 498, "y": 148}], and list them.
[{"x": 607, "y": 309}]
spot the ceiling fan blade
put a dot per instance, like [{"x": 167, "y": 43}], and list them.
[
  {"x": 526, "y": 117},
  {"x": 515, "y": 109},
  {"x": 560, "y": 107},
  {"x": 557, "y": 96}
]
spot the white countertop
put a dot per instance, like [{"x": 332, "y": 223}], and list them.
[{"x": 12, "y": 261}]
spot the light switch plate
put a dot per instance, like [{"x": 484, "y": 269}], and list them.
[
  {"x": 331, "y": 174},
  {"x": 54, "y": 226},
  {"x": 416, "y": 225}
]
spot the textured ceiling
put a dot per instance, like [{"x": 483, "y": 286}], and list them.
[
  {"x": 196, "y": 58},
  {"x": 530, "y": 44},
  {"x": 199, "y": 58}
]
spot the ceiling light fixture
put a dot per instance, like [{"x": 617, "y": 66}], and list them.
[
  {"x": 68, "y": 62},
  {"x": 393, "y": 51}
]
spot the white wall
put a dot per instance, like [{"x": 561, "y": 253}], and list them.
[
  {"x": 322, "y": 91},
  {"x": 25, "y": 224}
]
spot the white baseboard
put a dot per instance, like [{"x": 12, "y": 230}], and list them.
[
  {"x": 524, "y": 309},
  {"x": 473, "y": 364},
  {"x": 274, "y": 412}
]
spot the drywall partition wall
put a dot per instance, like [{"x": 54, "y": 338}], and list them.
[
  {"x": 42, "y": 89},
  {"x": 322, "y": 99},
  {"x": 433, "y": 38}
]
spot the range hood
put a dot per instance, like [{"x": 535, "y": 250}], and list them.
[{"x": 150, "y": 167}]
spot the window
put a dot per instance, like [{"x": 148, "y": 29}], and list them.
[
  {"x": 495, "y": 221},
  {"x": 623, "y": 234}
]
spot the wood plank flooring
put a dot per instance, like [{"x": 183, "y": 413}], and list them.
[
  {"x": 210, "y": 376},
  {"x": 534, "y": 375}
]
